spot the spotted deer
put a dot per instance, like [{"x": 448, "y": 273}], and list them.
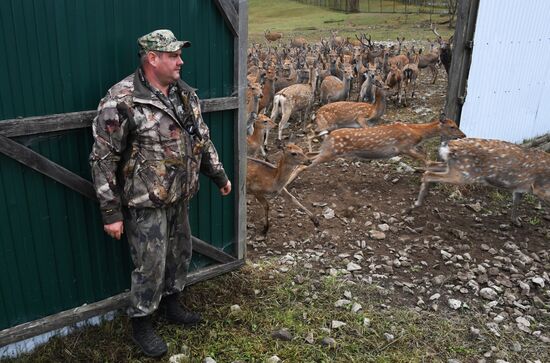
[
  {"x": 297, "y": 98},
  {"x": 264, "y": 180},
  {"x": 333, "y": 89},
  {"x": 256, "y": 141},
  {"x": 344, "y": 114},
  {"x": 385, "y": 141},
  {"x": 491, "y": 162}
]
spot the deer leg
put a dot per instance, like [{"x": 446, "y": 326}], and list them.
[
  {"x": 429, "y": 177},
  {"x": 295, "y": 201},
  {"x": 295, "y": 173},
  {"x": 310, "y": 137},
  {"x": 516, "y": 197},
  {"x": 414, "y": 153},
  {"x": 265, "y": 204},
  {"x": 284, "y": 120},
  {"x": 362, "y": 121},
  {"x": 438, "y": 166},
  {"x": 434, "y": 72}
]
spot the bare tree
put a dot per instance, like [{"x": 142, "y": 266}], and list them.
[{"x": 452, "y": 6}]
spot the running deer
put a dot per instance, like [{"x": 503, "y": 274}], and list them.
[
  {"x": 265, "y": 180},
  {"x": 256, "y": 140},
  {"x": 293, "y": 99},
  {"x": 333, "y": 89},
  {"x": 385, "y": 141},
  {"x": 491, "y": 162},
  {"x": 344, "y": 114}
]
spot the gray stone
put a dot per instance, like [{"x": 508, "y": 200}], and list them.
[
  {"x": 377, "y": 235},
  {"x": 454, "y": 304},
  {"x": 488, "y": 293},
  {"x": 328, "y": 342},
  {"x": 282, "y": 334}
]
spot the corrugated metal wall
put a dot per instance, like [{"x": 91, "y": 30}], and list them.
[
  {"x": 62, "y": 56},
  {"x": 509, "y": 83}
]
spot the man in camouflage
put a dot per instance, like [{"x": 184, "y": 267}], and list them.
[{"x": 150, "y": 144}]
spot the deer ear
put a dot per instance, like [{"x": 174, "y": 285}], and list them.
[{"x": 442, "y": 117}]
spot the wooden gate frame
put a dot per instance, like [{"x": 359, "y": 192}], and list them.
[
  {"x": 235, "y": 14},
  {"x": 463, "y": 45}
]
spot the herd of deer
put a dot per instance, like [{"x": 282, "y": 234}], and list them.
[{"x": 289, "y": 81}]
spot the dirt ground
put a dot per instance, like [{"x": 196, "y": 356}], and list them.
[{"x": 364, "y": 194}]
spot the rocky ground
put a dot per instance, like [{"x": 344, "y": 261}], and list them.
[{"x": 458, "y": 252}]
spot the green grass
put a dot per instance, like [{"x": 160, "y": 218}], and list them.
[
  {"x": 313, "y": 22},
  {"x": 271, "y": 301}
]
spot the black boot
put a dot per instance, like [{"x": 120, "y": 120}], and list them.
[
  {"x": 172, "y": 311},
  {"x": 145, "y": 337}
]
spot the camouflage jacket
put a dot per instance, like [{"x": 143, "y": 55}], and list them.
[{"x": 143, "y": 156}]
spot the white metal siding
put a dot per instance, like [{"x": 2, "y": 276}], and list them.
[{"x": 508, "y": 93}]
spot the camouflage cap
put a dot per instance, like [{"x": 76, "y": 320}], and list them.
[{"x": 162, "y": 40}]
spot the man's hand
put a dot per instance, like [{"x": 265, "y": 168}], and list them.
[
  {"x": 116, "y": 229},
  {"x": 226, "y": 189}
]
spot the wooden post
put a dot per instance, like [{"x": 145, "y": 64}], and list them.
[
  {"x": 241, "y": 46},
  {"x": 463, "y": 44}
]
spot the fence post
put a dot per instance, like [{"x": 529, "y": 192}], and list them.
[{"x": 462, "y": 58}]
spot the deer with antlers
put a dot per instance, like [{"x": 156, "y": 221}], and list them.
[
  {"x": 445, "y": 51},
  {"x": 264, "y": 180},
  {"x": 385, "y": 141},
  {"x": 491, "y": 162}
]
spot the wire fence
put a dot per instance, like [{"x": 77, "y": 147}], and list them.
[{"x": 384, "y": 6}]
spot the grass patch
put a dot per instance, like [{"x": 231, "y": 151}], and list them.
[
  {"x": 270, "y": 301},
  {"x": 313, "y": 22}
]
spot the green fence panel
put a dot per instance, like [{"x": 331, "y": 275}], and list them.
[{"x": 62, "y": 56}]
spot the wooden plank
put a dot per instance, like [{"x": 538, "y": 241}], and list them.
[
  {"x": 240, "y": 62},
  {"x": 84, "y": 312},
  {"x": 210, "y": 251},
  {"x": 462, "y": 58},
  {"x": 83, "y": 119},
  {"x": 47, "y": 167},
  {"x": 49, "y": 123},
  {"x": 230, "y": 15}
]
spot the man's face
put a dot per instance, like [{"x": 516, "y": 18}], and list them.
[{"x": 168, "y": 66}]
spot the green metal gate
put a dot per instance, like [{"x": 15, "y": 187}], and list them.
[{"x": 59, "y": 58}]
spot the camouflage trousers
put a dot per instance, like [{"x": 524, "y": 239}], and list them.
[{"x": 160, "y": 246}]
